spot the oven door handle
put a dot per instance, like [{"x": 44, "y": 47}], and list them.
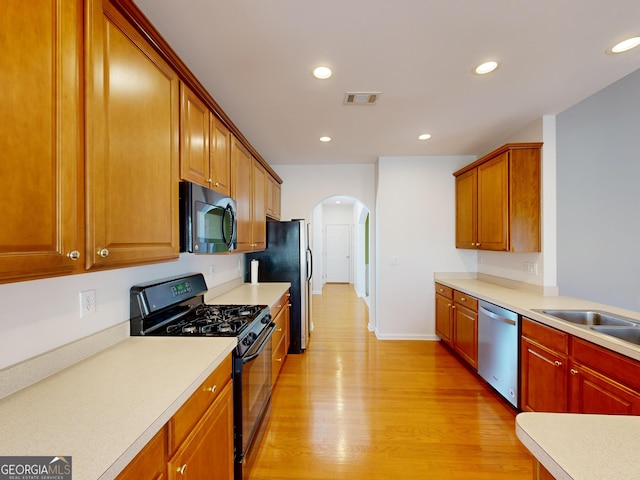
[{"x": 271, "y": 330}]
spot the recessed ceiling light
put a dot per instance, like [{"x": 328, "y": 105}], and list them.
[
  {"x": 322, "y": 72},
  {"x": 626, "y": 45},
  {"x": 486, "y": 67},
  {"x": 325, "y": 139},
  {"x": 424, "y": 136}
]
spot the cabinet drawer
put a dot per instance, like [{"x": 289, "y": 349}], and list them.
[
  {"x": 444, "y": 291},
  {"x": 546, "y": 336},
  {"x": 277, "y": 358},
  {"x": 466, "y": 300},
  {"x": 190, "y": 413},
  {"x": 277, "y": 307},
  {"x": 606, "y": 362},
  {"x": 280, "y": 330}
]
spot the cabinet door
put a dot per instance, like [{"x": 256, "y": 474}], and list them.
[
  {"x": 208, "y": 450},
  {"x": 41, "y": 140},
  {"x": 466, "y": 208},
  {"x": 273, "y": 198},
  {"x": 259, "y": 204},
  {"x": 493, "y": 203},
  {"x": 592, "y": 392},
  {"x": 241, "y": 191},
  {"x": 220, "y": 151},
  {"x": 194, "y": 138},
  {"x": 543, "y": 379},
  {"x": 443, "y": 318},
  {"x": 150, "y": 463},
  {"x": 465, "y": 334},
  {"x": 132, "y": 145}
]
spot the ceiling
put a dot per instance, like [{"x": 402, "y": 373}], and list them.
[{"x": 255, "y": 58}]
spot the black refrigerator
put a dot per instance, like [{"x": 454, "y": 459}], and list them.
[{"x": 287, "y": 258}]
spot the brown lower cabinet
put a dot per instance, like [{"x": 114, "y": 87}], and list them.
[
  {"x": 281, "y": 337},
  {"x": 465, "y": 327},
  {"x": 197, "y": 442},
  {"x": 457, "y": 322},
  {"x": 563, "y": 373}
]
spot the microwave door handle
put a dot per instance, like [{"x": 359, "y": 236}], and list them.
[{"x": 227, "y": 211}]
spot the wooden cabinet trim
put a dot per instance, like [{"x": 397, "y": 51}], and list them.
[
  {"x": 498, "y": 151},
  {"x": 142, "y": 24}
]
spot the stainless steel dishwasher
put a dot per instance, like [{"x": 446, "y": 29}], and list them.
[{"x": 498, "y": 349}]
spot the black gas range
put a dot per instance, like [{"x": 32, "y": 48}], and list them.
[{"x": 175, "y": 307}]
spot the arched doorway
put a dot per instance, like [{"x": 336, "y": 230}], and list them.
[{"x": 340, "y": 242}]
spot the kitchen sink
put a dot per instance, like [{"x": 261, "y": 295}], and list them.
[
  {"x": 591, "y": 317},
  {"x": 628, "y": 334}
]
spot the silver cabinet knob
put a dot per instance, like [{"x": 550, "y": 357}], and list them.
[
  {"x": 182, "y": 469},
  {"x": 103, "y": 252},
  {"x": 557, "y": 363},
  {"x": 73, "y": 255},
  {"x": 209, "y": 180},
  {"x": 217, "y": 184},
  {"x": 574, "y": 371}
]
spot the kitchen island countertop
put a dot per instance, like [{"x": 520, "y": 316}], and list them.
[{"x": 582, "y": 447}]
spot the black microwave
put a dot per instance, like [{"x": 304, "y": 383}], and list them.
[{"x": 207, "y": 220}]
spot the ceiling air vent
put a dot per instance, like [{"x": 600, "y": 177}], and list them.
[{"x": 361, "y": 98}]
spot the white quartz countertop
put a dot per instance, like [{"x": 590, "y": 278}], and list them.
[
  {"x": 266, "y": 293},
  {"x": 103, "y": 410},
  {"x": 524, "y": 303},
  {"x": 582, "y": 447}
]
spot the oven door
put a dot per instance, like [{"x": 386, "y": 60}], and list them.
[{"x": 252, "y": 391}]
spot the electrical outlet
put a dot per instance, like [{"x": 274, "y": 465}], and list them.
[
  {"x": 87, "y": 303},
  {"x": 531, "y": 268},
  {"x": 212, "y": 268}
]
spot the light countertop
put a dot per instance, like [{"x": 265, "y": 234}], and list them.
[
  {"x": 103, "y": 410},
  {"x": 582, "y": 447},
  {"x": 266, "y": 293},
  {"x": 523, "y": 303}
]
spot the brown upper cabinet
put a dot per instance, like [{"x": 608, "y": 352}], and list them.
[
  {"x": 91, "y": 124},
  {"x": 498, "y": 200},
  {"x": 273, "y": 198},
  {"x": 132, "y": 156},
  {"x": 205, "y": 144},
  {"x": 249, "y": 191},
  {"x": 41, "y": 183}
]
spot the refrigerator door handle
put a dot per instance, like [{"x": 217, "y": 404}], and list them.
[{"x": 309, "y": 264}]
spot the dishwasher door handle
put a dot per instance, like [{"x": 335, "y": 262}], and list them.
[{"x": 495, "y": 316}]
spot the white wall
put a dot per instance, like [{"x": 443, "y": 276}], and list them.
[
  {"x": 306, "y": 186},
  {"x": 598, "y": 196},
  {"x": 415, "y": 229},
  {"x": 40, "y": 315}
]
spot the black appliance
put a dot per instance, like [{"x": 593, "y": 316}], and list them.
[
  {"x": 288, "y": 259},
  {"x": 207, "y": 220},
  {"x": 175, "y": 307}
]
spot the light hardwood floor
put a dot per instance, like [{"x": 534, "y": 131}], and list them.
[{"x": 354, "y": 407}]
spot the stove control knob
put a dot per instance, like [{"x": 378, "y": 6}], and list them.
[
  {"x": 249, "y": 339},
  {"x": 266, "y": 319}
]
